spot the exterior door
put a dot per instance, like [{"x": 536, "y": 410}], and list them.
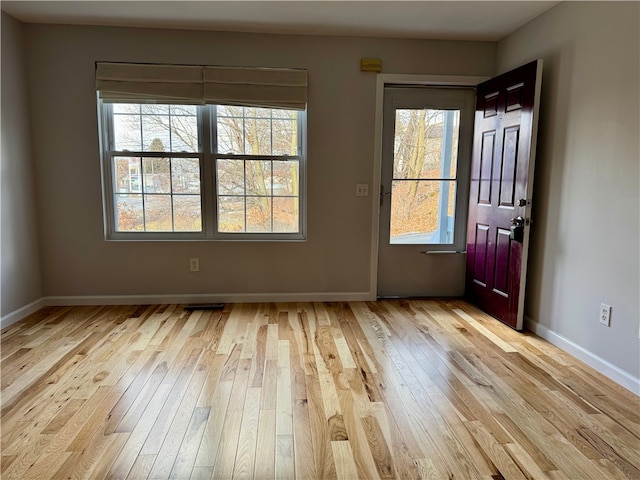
[
  {"x": 500, "y": 192},
  {"x": 426, "y": 152}
]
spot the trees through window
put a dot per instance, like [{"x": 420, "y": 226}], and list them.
[{"x": 424, "y": 177}]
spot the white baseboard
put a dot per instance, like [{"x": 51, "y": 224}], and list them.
[
  {"x": 20, "y": 313},
  {"x": 609, "y": 370},
  {"x": 209, "y": 298}
]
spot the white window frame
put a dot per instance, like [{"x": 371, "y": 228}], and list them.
[
  {"x": 405, "y": 98},
  {"x": 207, "y": 154}
]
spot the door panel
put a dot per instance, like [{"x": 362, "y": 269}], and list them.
[
  {"x": 481, "y": 246},
  {"x": 486, "y": 167},
  {"x": 501, "y": 271},
  {"x": 501, "y": 190},
  {"x": 509, "y": 166}
]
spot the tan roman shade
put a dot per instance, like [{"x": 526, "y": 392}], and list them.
[
  {"x": 118, "y": 82},
  {"x": 266, "y": 87}
]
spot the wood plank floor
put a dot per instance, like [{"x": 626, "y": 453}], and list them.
[{"x": 391, "y": 389}]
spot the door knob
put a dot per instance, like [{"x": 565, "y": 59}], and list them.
[{"x": 517, "y": 222}]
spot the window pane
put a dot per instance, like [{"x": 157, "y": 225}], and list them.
[
  {"x": 257, "y": 136},
  {"x": 154, "y": 109},
  {"x": 157, "y": 213},
  {"x": 126, "y": 133},
  {"x": 231, "y": 214},
  {"x": 159, "y": 128},
  {"x": 230, "y": 135},
  {"x": 285, "y": 178},
  {"x": 229, "y": 111},
  {"x": 258, "y": 177},
  {"x": 417, "y": 214},
  {"x": 129, "y": 216},
  {"x": 184, "y": 133},
  {"x": 285, "y": 215},
  {"x": 258, "y": 214},
  {"x": 183, "y": 110},
  {"x": 257, "y": 131},
  {"x": 284, "y": 114},
  {"x": 285, "y": 137},
  {"x": 156, "y": 175},
  {"x": 131, "y": 108},
  {"x": 425, "y": 143},
  {"x": 230, "y": 174},
  {"x": 257, "y": 112},
  {"x": 187, "y": 213},
  {"x": 155, "y": 133},
  {"x": 127, "y": 175},
  {"x": 185, "y": 175}
]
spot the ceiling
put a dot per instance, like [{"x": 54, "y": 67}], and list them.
[{"x": 459, "y": 20}]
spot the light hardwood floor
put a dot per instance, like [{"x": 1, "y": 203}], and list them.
[{"x": 391, "y": 389}]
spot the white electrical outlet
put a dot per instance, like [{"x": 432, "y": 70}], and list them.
[
  {"x": 362, "y": 190},
  {"x": 605, "y": 314},
  {"x": 194, "y": 264}
]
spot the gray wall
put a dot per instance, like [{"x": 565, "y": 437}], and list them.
[
  {"x": 20, "y": 266},
  {"x": 585, "y": 239},
  {"x": 335, "y": 258}
]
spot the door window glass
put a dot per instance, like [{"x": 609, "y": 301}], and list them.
[{"x": 424, "y": 176}]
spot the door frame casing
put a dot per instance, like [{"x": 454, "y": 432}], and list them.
[{"x": 382, "y": 80}]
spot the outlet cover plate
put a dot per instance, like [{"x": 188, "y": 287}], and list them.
[
  {"x": 362, "y": 190},
  {"x": 605, "y": 314},
  {"x": 194, "y": 264}
]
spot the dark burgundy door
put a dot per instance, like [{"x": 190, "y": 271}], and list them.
[{"x": 500, "y": 195}]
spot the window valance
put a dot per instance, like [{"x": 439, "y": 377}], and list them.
[{"x": 196, "y": 84}]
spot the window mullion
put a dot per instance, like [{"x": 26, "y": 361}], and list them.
[
  {"x": 144, "y": 210},
  {"x": 244, "y": 189},
  {"x": 173, "y": 224},
  {"x": 208, "y": 135},
  {"x": 271, "y": 167}
]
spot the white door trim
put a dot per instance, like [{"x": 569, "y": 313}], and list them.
[{"x": 397, "y": 79}]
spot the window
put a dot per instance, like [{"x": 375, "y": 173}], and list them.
[
  {"x": 257, "y": 170},
  {"x": 158, "y": 155},
  {"x": 155, "y": 168},
  {"x": 427, "y": 133},
  {"x": 192, "y": 152}
]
